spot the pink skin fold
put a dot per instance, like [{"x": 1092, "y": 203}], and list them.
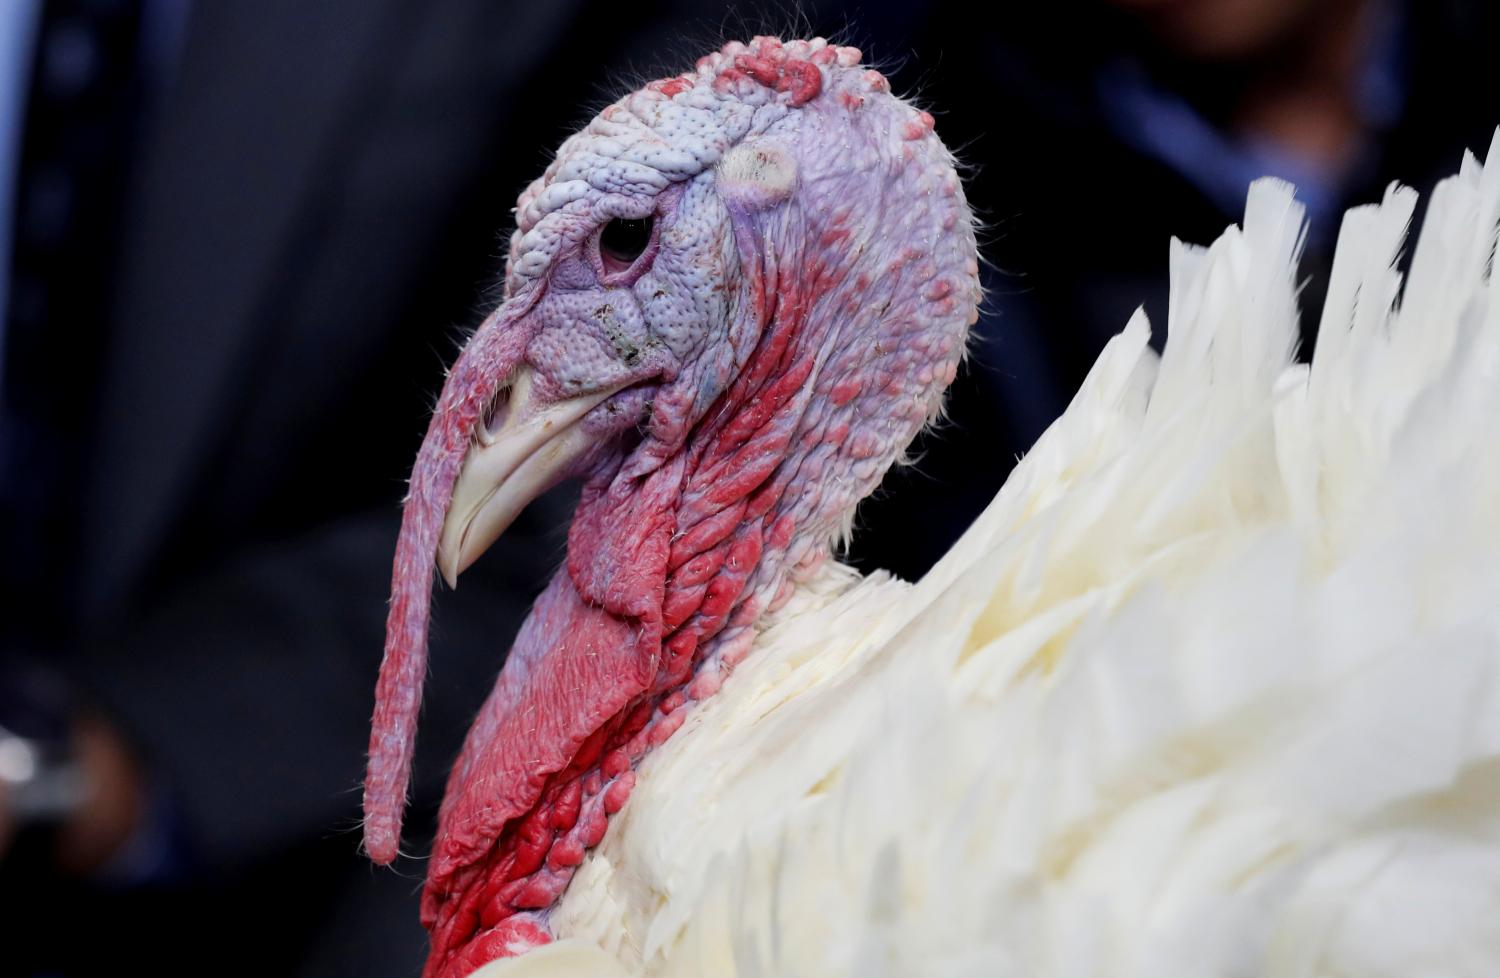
[{"x": 487, "y": 363}]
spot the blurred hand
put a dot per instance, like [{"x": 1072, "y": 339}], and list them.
[
  {"x": 111, "y": 809},
  {"x": 115, "y": 803},
  {"x": 7, "y": 823}
]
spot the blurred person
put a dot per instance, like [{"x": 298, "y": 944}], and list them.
[
  {"x": 240, "y": 239},
  {"x": 1097, "y": 130}
]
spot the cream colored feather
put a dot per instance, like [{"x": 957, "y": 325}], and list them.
[{"x": 1211, "y": 688}]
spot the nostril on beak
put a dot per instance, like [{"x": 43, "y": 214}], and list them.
[
  {"x": 507, "y": 397},
  {"x": 495, "y": 416}
]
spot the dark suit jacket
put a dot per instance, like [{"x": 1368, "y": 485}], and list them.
[{"x": 315, "y": 216}]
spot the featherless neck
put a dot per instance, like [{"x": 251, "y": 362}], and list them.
[
  {"x": 857, "y": 341},
  {"x": 790, "y": 321}
]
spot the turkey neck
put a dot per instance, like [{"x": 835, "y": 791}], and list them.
[
  {"x": 679, "y": 548},
  {"x": 666, "y": 578}
]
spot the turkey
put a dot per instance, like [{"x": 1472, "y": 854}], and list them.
[{"x": 1212, "y": 687}]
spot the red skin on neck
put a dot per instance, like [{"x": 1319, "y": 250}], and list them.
[
  {"x": 676, "y": 551},
  {"x": 603, "y": 669}
]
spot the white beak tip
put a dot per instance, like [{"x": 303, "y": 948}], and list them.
[
  {"x": 449, "y": 569},
  {"x": 533, "y": 449}
]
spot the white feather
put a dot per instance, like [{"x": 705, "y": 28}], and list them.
[{"x": 1211, "y": 688}]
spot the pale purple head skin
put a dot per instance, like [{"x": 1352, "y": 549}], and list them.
[{"x": 742, "y": 385}]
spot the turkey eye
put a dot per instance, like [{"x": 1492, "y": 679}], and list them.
[{"x": 622, "y": 242}]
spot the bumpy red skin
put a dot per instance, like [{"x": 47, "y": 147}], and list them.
[
  {"x": 615, "y": 637},
  {"x": 764, "y": 433}
]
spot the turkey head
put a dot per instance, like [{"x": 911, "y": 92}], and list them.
[{"x": 730, "y": 303}]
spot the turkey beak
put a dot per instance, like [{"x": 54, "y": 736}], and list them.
[{"x": 519, "y": 452}]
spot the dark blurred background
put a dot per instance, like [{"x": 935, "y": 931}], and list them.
[{"x": 239, "y": 239}]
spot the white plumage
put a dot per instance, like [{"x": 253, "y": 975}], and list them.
[{"x": 1211, "y": 688}]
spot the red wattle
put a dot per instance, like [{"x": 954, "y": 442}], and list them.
[{"x": 657, "y": 567}]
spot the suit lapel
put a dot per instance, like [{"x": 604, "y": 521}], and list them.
[{"x": 220, "y": 188}]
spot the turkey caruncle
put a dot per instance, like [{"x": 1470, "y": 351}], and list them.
[{"x": 1210, "y": 688}]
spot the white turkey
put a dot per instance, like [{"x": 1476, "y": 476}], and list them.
[{"x": 1211, "y": 688}]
